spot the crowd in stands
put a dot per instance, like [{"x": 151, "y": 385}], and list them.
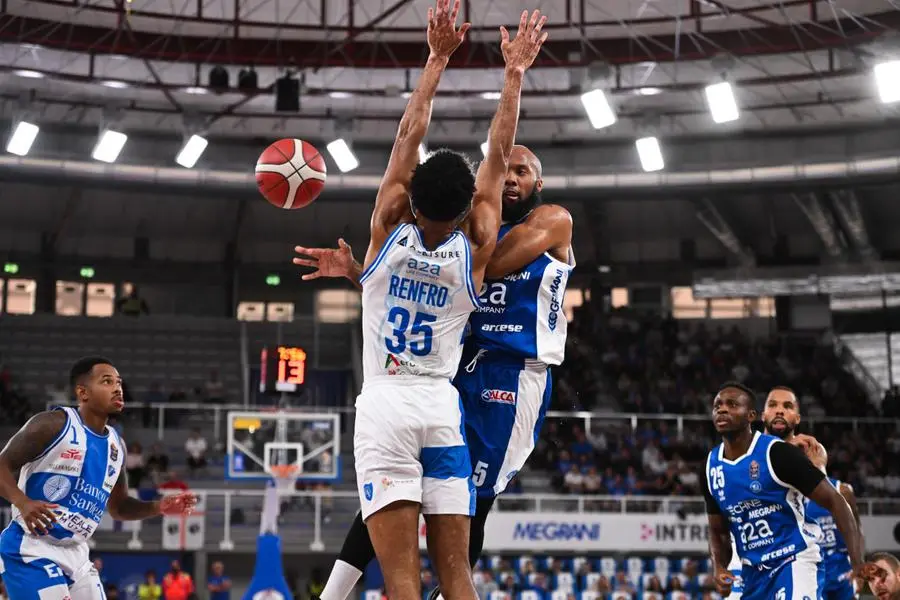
[
  {"x": 557, "y": 578},
  {"x": 627, "y": 362}
]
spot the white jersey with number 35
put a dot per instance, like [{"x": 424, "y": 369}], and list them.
[{"x": 415, "y": 305}]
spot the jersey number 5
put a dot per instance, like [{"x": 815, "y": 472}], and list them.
[{"x": 399, "y": 319}]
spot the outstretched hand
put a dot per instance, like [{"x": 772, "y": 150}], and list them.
[
  {"x": 178, "y": 504},
  {"x": 723, "y": 581},
  {"x": 328, "y": 262},
  {"x": 520, "y": 52},
  {"x": 443, "y": 37}
]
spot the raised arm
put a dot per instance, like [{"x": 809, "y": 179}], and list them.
[
  {"x": 392, "y": 201},
  {"x": 547, "y": 229},
  {"x": 828, "y": 498},
  {"x": 484, "y": 221}
]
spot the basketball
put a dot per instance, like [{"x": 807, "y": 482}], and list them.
[{"x": 290, "y": 173}]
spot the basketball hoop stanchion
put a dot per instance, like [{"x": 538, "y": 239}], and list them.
[{"x": 268, "y": 581}]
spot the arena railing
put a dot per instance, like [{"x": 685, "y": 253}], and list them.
[
  {"x": 316, "y": 529},
  {"x": 219, "y": 411}
]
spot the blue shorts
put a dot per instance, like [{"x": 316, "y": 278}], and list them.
[
  {"x": 33, "y": 569},
  {"x": 793, "y": 579},
  {"x": 838, "y": 578},
  {"x": 505, "y": 401}
]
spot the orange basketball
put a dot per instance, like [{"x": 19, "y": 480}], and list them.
[{"x": 290, "y": 173}]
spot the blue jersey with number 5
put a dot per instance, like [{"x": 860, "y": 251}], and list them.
[
  {"x": 415, "y": 305},
  {"x": 766, "y": 516}
]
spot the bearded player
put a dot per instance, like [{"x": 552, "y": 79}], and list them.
[
  {"x": 433, "y": 231},
  {"x": 781, "y": 417},
  {"x": 70, "y": 473},
  {"x": 517, "y": 333},
  {"x": 755, "y": 492}
]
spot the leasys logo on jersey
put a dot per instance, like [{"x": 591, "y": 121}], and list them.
[{"x": 501, "y": 396}]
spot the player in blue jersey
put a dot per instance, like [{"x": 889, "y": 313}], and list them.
[
  {"x": 503, "y": 379},
  {"x": 781, "y": 417},
  {"x": 70, "y": 472},
  {"x": 755, "y": 492}
]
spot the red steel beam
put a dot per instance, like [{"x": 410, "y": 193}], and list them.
[{"x": 174, "y": 47}]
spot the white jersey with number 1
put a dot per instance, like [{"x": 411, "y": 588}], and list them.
[{"x": 408, "y": 442}]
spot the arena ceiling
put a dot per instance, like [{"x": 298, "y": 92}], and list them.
[{"x": 145, "y": 64}]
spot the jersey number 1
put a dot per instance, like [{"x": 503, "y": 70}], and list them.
[{"x": 398, "y": 317}]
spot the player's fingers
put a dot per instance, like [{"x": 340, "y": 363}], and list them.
[
  {"x": 310, "y": 276},
  {"x": 47, "y": 514},
  {"x": 544, "y": 37},
  {"x": 342, "y": 243},
  {"x": 534, "y": 18},
  {"x": 463, "y": 29},
  {"x": 540, "y": 24},
  {"x": 504, "y": 34},
  {"x": 430, "y": 17},
  {"x": 305, "y": 262},
  {"x": 455, "y": 12},
  {"x": 523, "y": 21}
]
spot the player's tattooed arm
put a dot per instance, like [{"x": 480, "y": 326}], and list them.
[
  {"x": 28, "y": 444},
  {"x": 547, "y": 229},
  {"x": 123, "y": 507}
]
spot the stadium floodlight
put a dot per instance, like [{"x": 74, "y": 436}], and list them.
[
  {"x": 484, "y": 149},
  {"x": 342, "y": 154},
  {"x": 28, "y": 74},
  {"x": 598, "y": 109},
  {"x": 191, "y": 151},
  {"x": 650, "y": 154},
  {"x": 22, "y": 138},
  {"x": 722, "y": 105},
  {"x": 887, "y": 79},
  {"x": 109, "y": 146},
  {"x": 423, "y": 153}
]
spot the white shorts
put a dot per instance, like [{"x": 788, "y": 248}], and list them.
[
  {"x": 409, "y": 444},
  {"x": 34, "y": 569}
]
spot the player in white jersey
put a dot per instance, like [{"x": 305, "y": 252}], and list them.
[
  {"x": 433, "y": 230},
  {"x": 70, "y": 472},
  {"x": 517, "y": 333}
]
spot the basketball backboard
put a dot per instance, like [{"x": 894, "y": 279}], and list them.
[{"x": 258, "y": 440}]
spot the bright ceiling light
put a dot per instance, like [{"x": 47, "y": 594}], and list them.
[
  {"x": 722, "y": 105},
  {"x": 191, "y": 151},
  {"x": 196, "y": 90},
  {"x": 598, "y": 110},
  {"x": 343, "y": 156},
  {"x": 484, "y": 148},
  {"x": 29, "y": 74},
  {"x": 423, "y": 153},
  {"x": 887, "y": 79},
  {"x": 650, "y": 154},
  {"x": 22, "y": 138},
  {"x": 109, "y": 146},
  {"x": 490, "y": 95},
  {"x": 338, "y": 95},
  {"x": 112, "y": 83},
  {"x": 648, "y": 91}
]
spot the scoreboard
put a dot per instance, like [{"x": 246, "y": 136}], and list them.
[{"x": 282, "y": 369}]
